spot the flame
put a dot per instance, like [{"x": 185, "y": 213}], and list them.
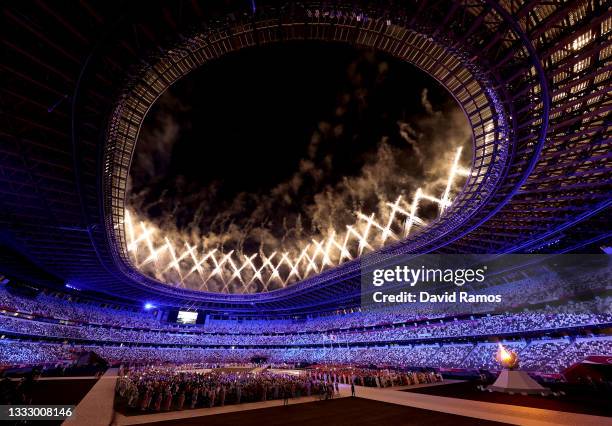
[
  {"x": 149, "y": 247},
  {"x": 505, "y": 357},
  {"x": 503, "y": 354}
]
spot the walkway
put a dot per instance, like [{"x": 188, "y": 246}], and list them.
[{"x": 97, "y": 408}]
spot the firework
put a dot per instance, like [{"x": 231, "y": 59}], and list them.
[{"x": 176, "y": 262}]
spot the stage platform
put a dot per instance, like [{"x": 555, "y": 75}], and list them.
[{"x": 583, "y": 404}]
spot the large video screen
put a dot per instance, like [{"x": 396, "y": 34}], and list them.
[{"x": 186, "y": 317}]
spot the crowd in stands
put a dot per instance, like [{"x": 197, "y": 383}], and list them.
[
  {"x": 64, "y": 307},
  {"x": 577, "y": 351},
  {"x": 533, "y": 355},
  {"x": 451, "y": 355},
  {"x": 517, "y": 293},
  {"x": 547, "y": 318},
  {"x": 15, "y": 353},
  {"x": 545, "y": 356},
  {"x": 395, "y": 336}
]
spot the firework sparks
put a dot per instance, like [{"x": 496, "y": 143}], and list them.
[{"x": 253, "y": 272}]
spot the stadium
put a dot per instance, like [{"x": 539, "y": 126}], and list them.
[{"x": 275, "y": 212}]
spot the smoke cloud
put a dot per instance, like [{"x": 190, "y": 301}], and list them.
[{"x": 416, "y": 152}]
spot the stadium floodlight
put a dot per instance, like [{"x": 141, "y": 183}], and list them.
[{"x": 71, "y": 286}]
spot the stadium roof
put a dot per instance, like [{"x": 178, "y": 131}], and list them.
[{"x": 532, "y": 77}]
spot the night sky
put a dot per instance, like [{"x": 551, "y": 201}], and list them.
[{"x": 283, "y": 141}]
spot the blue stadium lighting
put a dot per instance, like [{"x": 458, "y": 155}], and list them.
[
  {"x": 72, "y": 286},
  {"x": 297, "y": 319}
]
